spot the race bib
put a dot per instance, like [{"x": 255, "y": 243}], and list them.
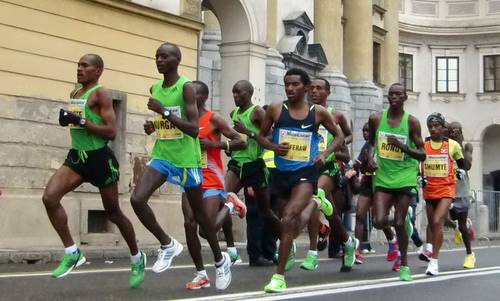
[
  {"x": 389, "y": 151},
  {"x": 204, "y": 159},
  {"x": 436, "y": 166},
  {"x": 299, "y": 142},
  {"x": 165, "y": 130},
  {"x": 77, "y": 106},
  {"x": 323, "y": 139}
]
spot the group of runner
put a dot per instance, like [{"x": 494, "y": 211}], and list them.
[{"x": 299, "y": 137}]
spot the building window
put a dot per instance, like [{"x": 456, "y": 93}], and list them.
[
  {"x": 491, "y": 73},
  {"x": 376, "y": 62},
  {"x": 406, "y": 71},
  {"x": 447, "y": 74}
]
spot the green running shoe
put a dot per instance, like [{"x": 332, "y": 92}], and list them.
[
  {"x": 290, "y": 261},
  {"x": 408, "y": 224},
  {"x": 276, "y": 285},
  {"x": 68, "y": 263},
  {"x": 349, "y": 254},
  {"x": 404, "y": 273},
  {"x": 137, "y": 271},
  {"x": 323, "y": 203},
  {"x": 310, "y": 263}
]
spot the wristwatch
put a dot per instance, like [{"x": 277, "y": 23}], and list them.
[
  {"x": 252, "y": 135},
  {"x": 166, "y": 113},
  {"x": 83, "y": 122}
]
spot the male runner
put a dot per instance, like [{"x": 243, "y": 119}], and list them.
[
  {"x": 246, "y": 167},
  {"x": 396, "y": 138},
  {"x": 92, "y": 123},
  {"x": 212, "y": 126},
  {"x": 460, "y": 208},
  {"x": 439, "y": 173},
  {"x": 327, "y": 182},
  {"x": 295, "y": 142},
  {"x": 176, "y": 157}
]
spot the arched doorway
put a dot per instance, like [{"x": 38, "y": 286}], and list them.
[
  {"x": 242, "y": 51},
  {"x": 491, "y": 174}
]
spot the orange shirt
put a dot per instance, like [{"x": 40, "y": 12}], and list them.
[
  {"x": 211, "y": 161},
  {"x": 438, "y": 168}
]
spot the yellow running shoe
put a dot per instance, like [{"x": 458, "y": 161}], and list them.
[{"x": 470, "y": 261}]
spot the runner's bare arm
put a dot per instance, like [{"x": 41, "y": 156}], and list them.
[
  {"x": 108, "y": 128},
  {"x": 235, "y": 143},
  {"x": 418, "y": 152},
  {"x": 326, "y": 119},
  {"x": 373, "y": 123},
  {"x": 189, "y": 125},
  {"x": 344, "y": 126}
]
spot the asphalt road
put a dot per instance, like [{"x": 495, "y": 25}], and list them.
[{"x": 372, "y": 281}]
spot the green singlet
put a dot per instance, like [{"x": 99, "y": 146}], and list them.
[
  {"x": 253, "y": 151},
  {"x": 332, "y": 165}
]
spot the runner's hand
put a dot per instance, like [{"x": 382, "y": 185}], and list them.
[
  {"x": 422, "y": 181},
  {"x": 149, "y": 127},
  {"x": 206, "y": 144},
  {"x": 282, "y": 149},
  {"x": 66, "y": 117},
  {"x": 371, "y": 166},
  {"x": 394, "y": 141},
  {"x": 460, "y": 174},
  {"x": 240, "y": 127},
  {"x": 155, "y": 106},
  {"x": 320, "y": 160}
]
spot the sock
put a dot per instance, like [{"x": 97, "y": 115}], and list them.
[
  {"x": 282, "y": 277},
  {"x": 433, "y": 260},
  {"x": 136, "y": 257},
  {"x": 218, "y": 264},
  {"x": 428, "y": 247},
  {"x": 171, "y": 244},
  {"x": 230, "y": 206},
  {"x": 393, "y": 240},
  {"x": 71, "y": 250},
  {"x": 313, "y": 252},
  {"x": 202, "y": 273},
  {"x": 232, "y": 251},
  {"x": 349, "y": 241}
]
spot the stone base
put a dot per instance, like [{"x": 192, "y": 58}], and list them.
[{"x": 275, "y": 70}]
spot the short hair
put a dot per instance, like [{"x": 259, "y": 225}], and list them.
[
  {"x": 399, "y": 84},
  {"x": 96, "y": 60},
  {"x": 177, "y": 50},
  {"x": 304, "y": 77},
  {"x": 246, "y": 85},
  {"x": 202, "y": 86},
  {"x": 327, "y": 83}
]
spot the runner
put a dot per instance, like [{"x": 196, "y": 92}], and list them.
[
  {"x": 396, "y": 138},
  {"x": 92, "y": 124},
  {"x": 295, "y": 143},
  {"x": 176, "y": 127},
  {"x": 327, "y": 182},
  {"x": 215, "y": 200},
  {"x": 247, "y": 169},
  {"x": 439, "y": 191}
]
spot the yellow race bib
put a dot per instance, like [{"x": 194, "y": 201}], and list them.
[
  {"x": 436, "y": 166},
  {"x": 323, "y": 138},
  {"x": 300, "y": 143},
  {"x": 389, "y": 151},
  {"x": 77, "y": 106},
  {"x": 165, "y": 130}
]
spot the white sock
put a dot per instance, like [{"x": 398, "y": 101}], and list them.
[
  {"x": 202, "y": 273},
  {"x": 230, "y": 206},
  {"x": 136, "y": 257},
  {"x": 393, "y": 240},
  {"x": 428, "y": 247},
  {"x": 433, "y": 260},
  {"x": 349, "y": 241},
  {"x": 171, "y": 244},
  {"x": 313, "y": 252},
  {"x": 218, "y": 264},
  {"x": 71, "y": 249}
]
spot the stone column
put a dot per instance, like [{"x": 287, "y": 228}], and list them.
[
  {"x": 358, "y": 64},
  {"x": 328, "y": 32},
  {"x": 390, "y": 52}
]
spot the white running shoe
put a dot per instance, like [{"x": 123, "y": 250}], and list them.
[
  {"x": 165, "y": 256},
  {"x": 223, "y": 273},
  {"x": 432, "y": 268}
]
